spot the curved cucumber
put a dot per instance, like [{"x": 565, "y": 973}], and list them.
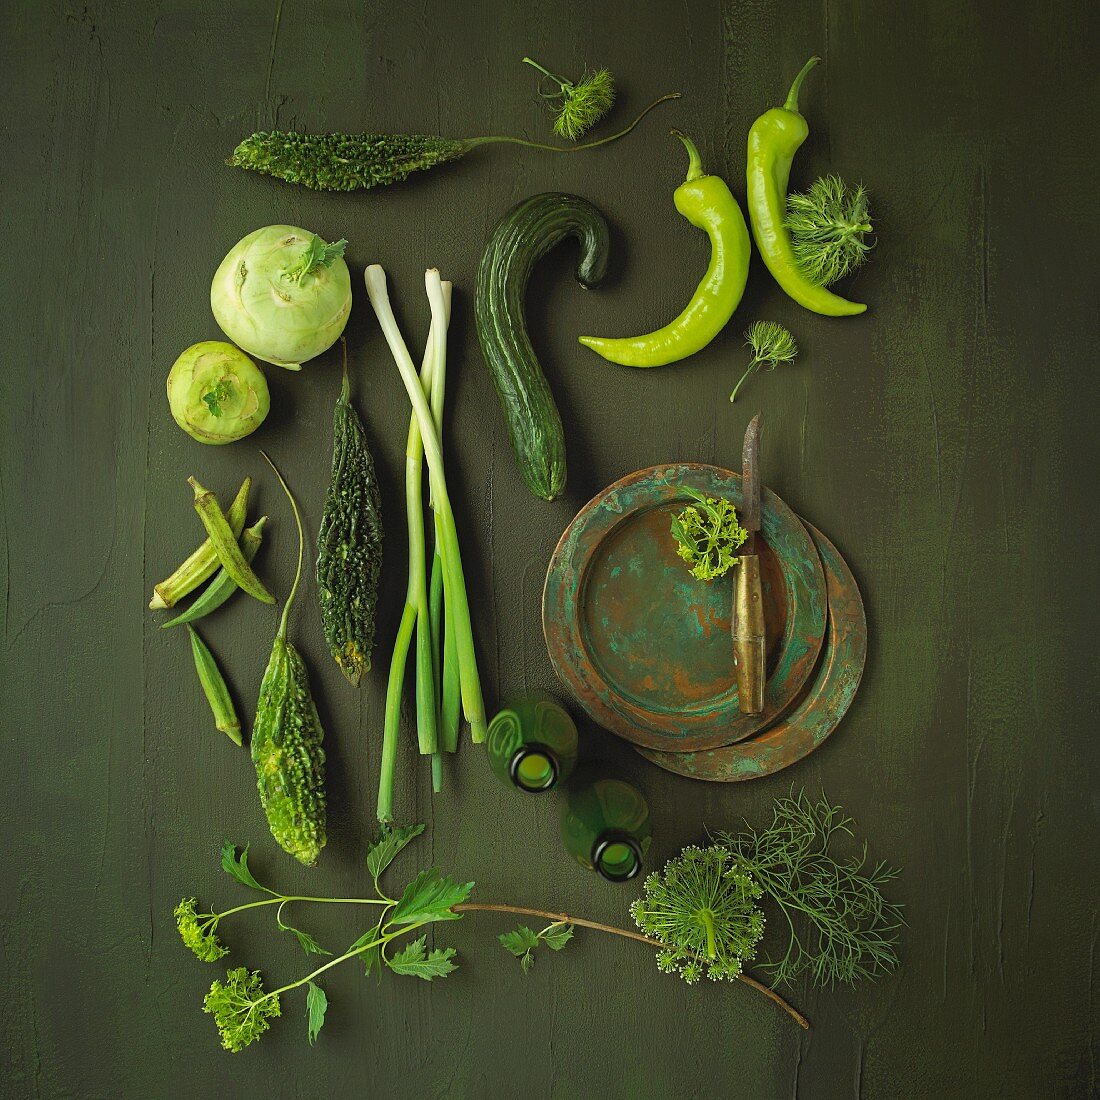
[{"x": 526, "y": 233}]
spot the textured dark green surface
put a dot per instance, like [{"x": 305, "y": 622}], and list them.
[{"x": 946, "y": 441}]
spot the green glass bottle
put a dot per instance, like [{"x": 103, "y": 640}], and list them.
[
  {"x": 532, "y": 744},
  {"x": 605, "y": 827}
]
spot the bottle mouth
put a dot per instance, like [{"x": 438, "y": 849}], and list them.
[
  {"x": 534, "y": 768},
  {"x": 616, "y": 856}
]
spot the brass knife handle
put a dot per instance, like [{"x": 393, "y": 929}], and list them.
[{"x": 748, "y": 636}]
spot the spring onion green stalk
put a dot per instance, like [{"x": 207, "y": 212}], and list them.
[
  {"x": 454, "y": 585},
  {"x": 415, "y": 599}
]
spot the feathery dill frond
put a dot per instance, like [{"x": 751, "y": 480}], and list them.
[{"x": 828, "y": 225}]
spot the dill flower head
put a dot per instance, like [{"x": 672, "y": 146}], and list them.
[
  {"x": 829, "y": 225},
  {"x": 578, "y": 105},
  {"x": 702, "y": 907},
  {"x": 197, "y": 930},
  {"x": 241, "y": 1008}
]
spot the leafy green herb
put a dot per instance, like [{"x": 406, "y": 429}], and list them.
[
  {"x": 429, "y": 897},
  {"x": 307, "y": 943},
  {"x": 316, "y": 1007},
  {"x": 771, "y": 345},
  {"x": 829, "y": 225},
  {"x": 522, "y": 942},
  {"x": 840, "y": 926},
  {"x": 237, "y": 866},
  {"x": 417, "y": 960},
  {"x": 387, "y": 844},
  {"x": 317, "y": 255},
  {"x": 708, "y": 535},
  {"x": 241, "y": 1008},
  {"x": 702, "y": 907},
  {"x": 578, "y": 105},
  {"x": 197, "y": 930},
  {"x": 214, "y": 398}
]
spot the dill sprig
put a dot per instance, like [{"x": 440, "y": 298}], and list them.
[
  {"x": 580, "y": 104},
  {"x": 828, "y": 225},
  {"x": 702, "y": 907},
  {"x": 840, "y": 926},
  {"x": 771, "y": 345}
]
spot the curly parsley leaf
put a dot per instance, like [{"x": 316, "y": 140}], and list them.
[
  {"x": 430, "y": 897},
  {"x": 316, "y": 1007},
  {"x": 237, "y": 866},
  {"x": 389, "y": 842},
  {"x": 417, "y": 960}
]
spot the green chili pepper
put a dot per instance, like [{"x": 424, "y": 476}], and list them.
[
  {"x": 223, "y": 585},
  {"x": 225, "y": 543},
  {"x": 709, "y": 205},
  {"x": 215, "y": 689},
  {"x": 774, "y": 139}
]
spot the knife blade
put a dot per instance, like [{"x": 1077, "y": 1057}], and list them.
[{"x": 748, "y": 598}]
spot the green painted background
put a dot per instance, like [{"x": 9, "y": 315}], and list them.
[{"x": 946, "y": 441}]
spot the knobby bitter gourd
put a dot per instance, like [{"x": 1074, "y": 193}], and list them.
[
  {"x": 287, "y": 736},
  {"x": 527, "y": 232},
  {"x": 349, "y": 543}
]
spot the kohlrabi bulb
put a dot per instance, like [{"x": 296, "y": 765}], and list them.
[
  {"x": 216, "y": 393},
  {"x": 283, "y": 295}
]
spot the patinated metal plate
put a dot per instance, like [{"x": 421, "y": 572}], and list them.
[
  {"x": 821, "y": 705},
  {"x": 644, "y": 646}
]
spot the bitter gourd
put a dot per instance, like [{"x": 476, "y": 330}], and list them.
[
  {"x": 287, "y": 736},
  {"x": 349, "y": 543}
]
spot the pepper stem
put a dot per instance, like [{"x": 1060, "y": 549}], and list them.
[
  {"x": 792, "y": 96},
  {"x": 695, "y": 163}
]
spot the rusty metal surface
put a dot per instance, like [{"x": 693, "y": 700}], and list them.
[
  {"x": 644, "y": 646},
  {"x": 821, "y": 705}
]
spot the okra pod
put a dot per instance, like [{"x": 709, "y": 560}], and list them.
[
  {"x": 223, "y": 585},
  {"x": 225, "y": 543},
  {"x": 203, "y": 562},
  {"x": 215, "y": 689}
]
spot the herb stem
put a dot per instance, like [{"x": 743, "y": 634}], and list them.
[
  {"x": 564, "y": 918},
  {"x": 748, "y": 370}
]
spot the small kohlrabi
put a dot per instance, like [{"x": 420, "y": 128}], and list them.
[
  {"x": 283, "y": 294},
  {"x": 216, "y": 393}
]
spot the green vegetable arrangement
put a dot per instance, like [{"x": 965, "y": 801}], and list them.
[
  {"x": 282, "y": 294},
  {"x": 349, "y": 543},
  {"x": 354, "y": 162},
  {"x": 708, "y": 535},
  {"x": 446, "y": 662},
  {"x": 771, "y": 345},
  {"x": 578, "y": 104},
  {"x": 701, "y": 912},
  {"x": 287, "y": 735}
]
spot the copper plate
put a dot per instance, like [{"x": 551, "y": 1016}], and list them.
[
  {"x": 644, "y": 646},
  {"x": 822, "y": 704}
]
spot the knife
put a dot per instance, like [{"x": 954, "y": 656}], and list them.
[{"x": 748, "y": 599}]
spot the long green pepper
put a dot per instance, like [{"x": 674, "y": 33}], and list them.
[
  {"x": 707, "y": 202},
  {"x": 774, "y": 139}
]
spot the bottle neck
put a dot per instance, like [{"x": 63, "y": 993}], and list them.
[
  {"x": 534, "y": 768},
  {"x": 616, "y": 855}
]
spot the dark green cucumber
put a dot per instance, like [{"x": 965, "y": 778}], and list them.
[{"x": 526, "y": 233}]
